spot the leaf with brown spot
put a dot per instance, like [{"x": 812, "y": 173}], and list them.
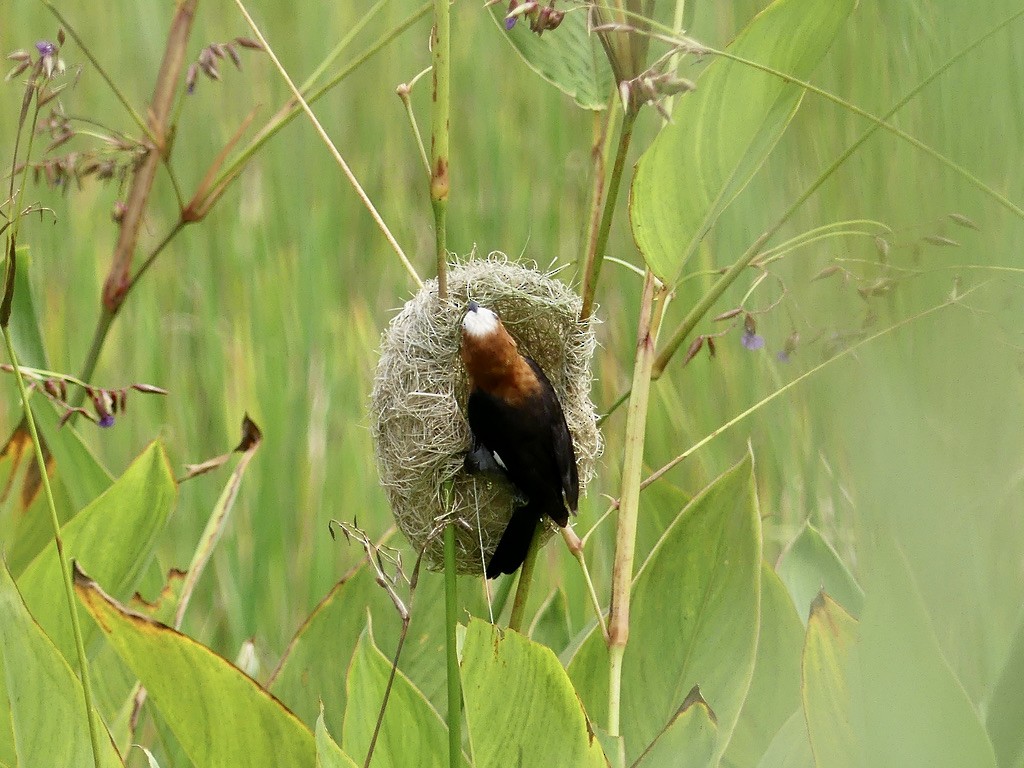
[
  {"x": 162, "y": 607},
  {"x": 215, "y": 711},
  {"x": 689, "y": 739},
  {"x": 828, "y": 662}
]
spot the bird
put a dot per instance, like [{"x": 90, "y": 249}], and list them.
[{"x": 518, "y": 427}]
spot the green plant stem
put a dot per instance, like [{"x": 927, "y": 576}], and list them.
[
  {"x": 451, "y": 622},
  {"x": 699, "y": 310},
  {"x": 629, "y": 500},
  {"x": 228, "y": 175},
  {"x": 696, "y": 314},
  {"x": 439, "y": 180},
  {"x": 600, "y": 149},
  {"x": 111, "y": 84},
  {"x": 515, "y": 620},
  {"x": 65, "y": 570},
  {"x": 360, "y": 192},
  {"x": 291, "y": 109},
  {"x": 593, "y": 267}
]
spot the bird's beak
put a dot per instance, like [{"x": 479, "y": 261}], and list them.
[{"x": 472, "y": 306}]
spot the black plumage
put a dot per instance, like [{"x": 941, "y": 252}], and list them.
[{"x": 514, "y": 414}]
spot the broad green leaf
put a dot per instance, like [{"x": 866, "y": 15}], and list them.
[
  {"x": 1005, "y": 714},
  {"x": 568, "y": 57},
  {"x": 775, "y": 687},
  {"x": 316, "y": 662},
  {"x": 790, "y": 748},
  {"x": 914, "y": 709},
  {"x": 520, "y": 706},
  {"x": 829, "y": 658},
  {"x": 315, "y": 665},
  {"x": 328, "y": 753},
  {"x": 44, "y": 706},
  {"x": 411, "y": 726},
  {"x": 810, "y": 565},
  {"x": 721, "y": 134},
  {"x": 113, "y": 538},
  {"x": 216, "y": 712},
  {"x": 24, "y": 326},
  {"x": 693, "y": 618},
  {"x": 550, "y": 626},
  {"x": 690, "y": 740}
]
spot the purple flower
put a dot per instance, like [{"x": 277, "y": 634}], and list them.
[
  {"x": 46, "y": 48},
  {"x": 752, "y": 340},
  {"x": 107, "y": 420},
  {"x": 510, "y": 21}
]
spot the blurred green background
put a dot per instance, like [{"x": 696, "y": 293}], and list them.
[{"x": 274, "y": 305}]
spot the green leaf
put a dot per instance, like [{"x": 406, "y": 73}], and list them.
[
  {"x": 914, "y": 709},
  {"x": 690, "y": 740},
  {"x": 568, "y": 57},
  {"x": 44, "y": 706},
  {"x": 219, "y": 715},
  {"x": 829, "y": 660},
  {"x": 114, "y": 538},
  {"x": 312, "y": 670},
  {"x": 693, "y": 620},
  {"x": 791, "y": 747},
  {"x": 723, "y": 132},
  {"x": 520, "y": 706},
  {"x": 24, "y": 327},
  {"x": 1006, "y": 707},
  {"x": 775, "y": 687},
  {"x": 411, "y": 726},
  {"x": 810, "y": 565},
  {"x": 550, "y": 626},
  {"x": 328, "y": 753},
  {"x": 316, "y": 662}
]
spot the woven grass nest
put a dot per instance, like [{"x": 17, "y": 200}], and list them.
[{"x": 418, "y": 403}]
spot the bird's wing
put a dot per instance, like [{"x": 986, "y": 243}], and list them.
[
  {"x": 565, "y": 455},
  {"x": 561, "y": 442}
]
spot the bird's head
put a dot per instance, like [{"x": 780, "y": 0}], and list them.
[
  {"x": 479, "y": 322},
  {"x": 486, "y": 345}
]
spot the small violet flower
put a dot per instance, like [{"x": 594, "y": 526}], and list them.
[
  {"x": 46, "y": 48},
  {"x": 752, "y": 341},
  {"x": 107, "y": 420}
]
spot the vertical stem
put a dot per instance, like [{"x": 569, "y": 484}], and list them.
[
  {"x": 599, "y": 150},
  {"x": 167, "y": 84},
  {"x": 515, "y": 621},
  {"x": 69, "y": 590},
  {"x": 439, "y": 139},
  {"x": 629, "y": 502},
  {"x": 451, "y": 619},
  {"x": 593, "y": 268}
]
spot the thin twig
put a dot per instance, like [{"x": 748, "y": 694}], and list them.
[{"x": 367, "y": 203}]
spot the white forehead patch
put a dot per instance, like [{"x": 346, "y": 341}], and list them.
[{"x": 480, "y": 321}]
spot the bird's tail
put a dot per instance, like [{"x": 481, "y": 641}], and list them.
[{"x": 515, "y": 541}]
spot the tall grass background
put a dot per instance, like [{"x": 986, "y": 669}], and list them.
[{"x": 274, "y": 305}]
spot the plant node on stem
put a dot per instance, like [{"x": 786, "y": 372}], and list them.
[{"x": 632, "y": 466}]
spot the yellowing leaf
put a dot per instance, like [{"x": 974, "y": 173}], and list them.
[
  {"x": 217, "y": 713},
  {"x": 828, "y": 662}
]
